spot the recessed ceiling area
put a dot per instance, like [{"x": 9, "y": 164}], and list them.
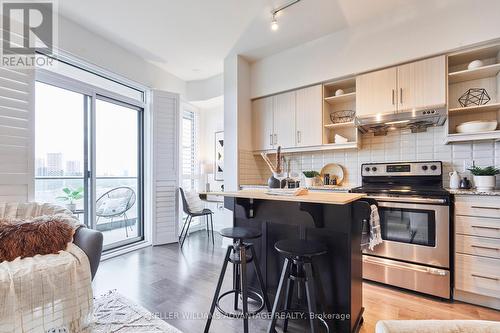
[{"x": 191, "y": 38}]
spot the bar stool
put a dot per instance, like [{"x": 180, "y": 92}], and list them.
[
  {"x": 240, "y": 254},
  {"x": 297, "y": 269}
]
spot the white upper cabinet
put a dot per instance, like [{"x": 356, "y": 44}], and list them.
[
  {"x": 262, "y": 123},
  {"x": 416, "y": 85},
  {"x": 376, "y": 92},
  {"x": 422, "y": 84},
  {"x": 309, "y": 116},
  {"x": 284, "y": 120}
]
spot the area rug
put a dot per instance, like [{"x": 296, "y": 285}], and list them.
[{"x": 116, "y": 313}]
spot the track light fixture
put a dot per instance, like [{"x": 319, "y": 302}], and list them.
[{"x": 274, "y": 21}]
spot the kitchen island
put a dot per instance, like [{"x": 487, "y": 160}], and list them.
[{"x": 332, "y": 218}]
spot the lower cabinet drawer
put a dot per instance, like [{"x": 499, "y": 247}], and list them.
[
  {"x": 483, "y": 206},
  {"x": 480, "y": 246},
  {"x": 477, "y": 275},
  {"x": 477, "y": 226}
]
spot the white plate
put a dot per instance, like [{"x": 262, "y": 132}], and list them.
[
  {"x": 333, "y": 169},
  {"x": 477, "y": 126}
]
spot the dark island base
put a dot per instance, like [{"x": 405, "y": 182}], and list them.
[{"x": 339, "y": 271}]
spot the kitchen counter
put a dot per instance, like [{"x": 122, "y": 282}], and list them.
[
  {"x": 327, "y": 188},
  {"x": 332, "y": 198},
  {"x": 334, "y": 219},
  {"x": 473, "y": 192}
]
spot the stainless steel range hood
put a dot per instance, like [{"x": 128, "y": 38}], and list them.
[{"x": 416, "y": 121}]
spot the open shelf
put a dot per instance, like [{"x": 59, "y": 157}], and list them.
[
  {"x": 474, "y": 74},
  {"x": 461, "y": 79},
  {"x": 458, "y": 137},
  {"x": 349, "y": 97},
  {"x": 339, "y": 125},
  {"x": 476, "y": 108}
]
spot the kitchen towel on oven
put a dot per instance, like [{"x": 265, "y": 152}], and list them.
[{"x": 371, "y": 235}]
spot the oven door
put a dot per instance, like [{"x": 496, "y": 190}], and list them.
[{"x": 415, "y": 232}]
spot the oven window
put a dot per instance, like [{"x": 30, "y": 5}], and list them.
[{"x": 411, "y": 226}]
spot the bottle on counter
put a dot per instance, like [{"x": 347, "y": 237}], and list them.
[
  {"x": 465, "y": 184},
  {"x": 454, "y": 179},
  {"x": 326, "y": 179}
]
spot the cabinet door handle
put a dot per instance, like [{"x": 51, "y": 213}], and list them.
[
  {"x": 485, "y": 277},
  {"x": 485, "y": 247},
  {"x": 271, "y": 139},
  {"x": 275, "y": 139},
  {"x": 482, "y": 207},
  {"x": 483, "y": 227},
  {"x": 393, "y": 96},
  {"x": 298, "y": 137},
  {"x": 401, "y": 95}
]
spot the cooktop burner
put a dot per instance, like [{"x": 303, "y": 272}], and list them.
[{"x": 403, "y": 179}]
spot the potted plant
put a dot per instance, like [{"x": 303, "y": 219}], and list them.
[
  {"x": 71, "y": 196},
  {"x": 484, "y": 178},
  {"x": 309, "y": 176}
]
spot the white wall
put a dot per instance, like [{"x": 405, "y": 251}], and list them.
[
  {"x": 81, "y": 43},
  {"x": 377, "y": 44},
  {"x": 211, "y": 121},
  {"x": 202, "y": 90}
]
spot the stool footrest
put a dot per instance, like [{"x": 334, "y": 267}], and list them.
[{"x": 240, "y": 315}]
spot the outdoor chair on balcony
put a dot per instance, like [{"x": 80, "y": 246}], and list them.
[{"x": 115, "y": 204}]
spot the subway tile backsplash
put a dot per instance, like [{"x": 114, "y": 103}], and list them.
[{"x": 394, "y": 147}]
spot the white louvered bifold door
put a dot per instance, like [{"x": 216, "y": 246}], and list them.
[
  {"x": 16, "y": 134},
  {"x": 165, "y": 167}
]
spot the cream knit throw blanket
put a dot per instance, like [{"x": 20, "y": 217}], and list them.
[{"x": 44, "y": 293}]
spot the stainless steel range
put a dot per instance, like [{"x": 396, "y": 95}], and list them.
[{"x": 414, "y": 211}]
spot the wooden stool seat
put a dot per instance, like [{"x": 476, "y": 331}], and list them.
[
  {"x": 240, "y": 233},
  {"x": 300, "y": 248}
]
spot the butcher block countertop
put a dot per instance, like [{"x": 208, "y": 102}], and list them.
[{"x": 329, "y": 198}]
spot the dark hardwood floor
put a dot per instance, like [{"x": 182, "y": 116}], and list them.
[{"x": 178, "y": 285}]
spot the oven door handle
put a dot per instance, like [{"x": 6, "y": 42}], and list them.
[{"x": 407, "y": 199}]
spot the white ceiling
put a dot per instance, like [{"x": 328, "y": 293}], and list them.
[{"x": 191, "y": 38}]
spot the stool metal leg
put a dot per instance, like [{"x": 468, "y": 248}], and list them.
[
  {"x": 236, "y": 284},
  {"x": 217, "y": 290},
  {"x": 259, "y": 278},
  {"x": 288, "y": 302},
  {"x": 311, "y": 298},
  {"x": 244, "y": 286},
  {"x": 279, "y": 296}
]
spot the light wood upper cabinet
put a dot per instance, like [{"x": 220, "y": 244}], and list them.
[
  {"x": 262, "y": 123},
  {"x": 416, "y": 85},
  {"x": 308, "y": 116},
  {"x": 284, "y": 120},
  {"x": 422, "y": 84},
  {"x": 376, "y": 92}
]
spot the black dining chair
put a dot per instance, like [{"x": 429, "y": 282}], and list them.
[{"x": 189, "y": 217}]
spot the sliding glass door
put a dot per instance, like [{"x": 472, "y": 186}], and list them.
[
  {"x": 60, "y": 148},
  {"x": 89, "y": 158},
  {"x": 118, "y": 165}
]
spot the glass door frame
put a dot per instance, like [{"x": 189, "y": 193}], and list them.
[{"x": 92, "y": 93}]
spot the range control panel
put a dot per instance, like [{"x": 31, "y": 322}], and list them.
[{"x": 432, "y": 168}]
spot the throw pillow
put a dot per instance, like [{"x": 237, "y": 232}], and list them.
[
  {"x": 29, "y": 237},
  {"x": 194, "y": 202}
]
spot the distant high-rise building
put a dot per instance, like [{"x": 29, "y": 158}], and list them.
[
  {"x": 54, "y": 164},
  {"x": 73, "y": 168},
  {"x": 40, "y": 167}
]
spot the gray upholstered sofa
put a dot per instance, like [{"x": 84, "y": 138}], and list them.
[{"x": 90, "y": 241}]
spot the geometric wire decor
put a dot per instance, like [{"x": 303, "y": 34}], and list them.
[{"x": 474, "y": 96}]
